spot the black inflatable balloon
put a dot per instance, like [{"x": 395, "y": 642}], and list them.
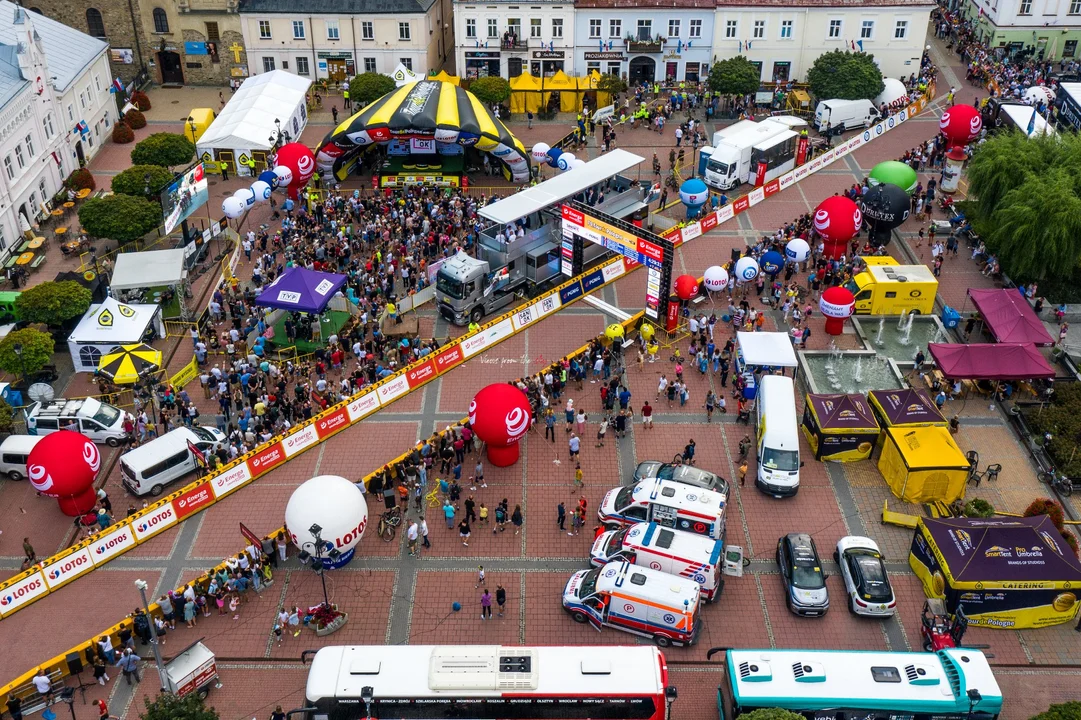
[{"x": 884, "y": 207}]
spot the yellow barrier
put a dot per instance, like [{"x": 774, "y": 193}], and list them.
[{"x": 186, "y": 374}]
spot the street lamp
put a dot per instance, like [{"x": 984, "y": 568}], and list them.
[
  {"x": 18, "y": 348},
  {"x": 193, "y": 127},
  {"x": 276, "y": 138},
  {"x": 319, "y": 546},
  {"x": 163, "y": 678}
]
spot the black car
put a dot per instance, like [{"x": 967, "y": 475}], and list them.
[{"x": 801, "y": 573}]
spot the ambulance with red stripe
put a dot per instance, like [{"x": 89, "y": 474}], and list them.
[
  {"x": 672, "y": 551},
  {"x": 667, "y": 503},
  {"x": 637, "y": 600}
]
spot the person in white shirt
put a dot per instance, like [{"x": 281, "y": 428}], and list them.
[
  {"x": 44, "y": 686},
  {"x": 412, "y": 534}
]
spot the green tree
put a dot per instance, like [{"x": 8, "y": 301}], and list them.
[
  {"x": 53, "y": 302},
  {"x": 119, "y": 217},
  {"x": 734, "y": 76},
  {"x": 135, "y": 181},
  {"x": 170, "y": 707},
  {"x": 771, "y": 714},
  {"x": 1005, "y": 161},
  {"x": 369, "y": 87},
  {"x": 490, "y": 90},
  {"x": 612, "y": 84},
  {"x": 37, "y": 350},
  {"x": 1062, "y": 711},
  {"x": 845, "y": 75},
  {"x": 7, "y": 417},
  {"x": 165, "y": 149}
]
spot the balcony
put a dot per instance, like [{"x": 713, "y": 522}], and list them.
[
  {"x": 644, "y": 45},
  {"x": 519, "y": 46}
]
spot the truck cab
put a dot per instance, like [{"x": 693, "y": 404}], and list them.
[{"x": 894, "y": 290}]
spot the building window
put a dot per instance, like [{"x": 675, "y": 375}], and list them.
[
  {"x": 900, "y": 30},
  {"x": 71, "y": 112},
  {"x": 47, "y": 125},
  {"x": 557, "y": 28},
  {"x": 615, "y": 27},
  {"x": 471, "y": 28},
  {"x": 82, "y": 100},
  {"x": 514, "y": 27},
  {"x": 97, "y": 82},
  {"x": 9, "y": 168},
  {"x": 212, "y": 32},
  {"x": 161, "y": 21},
  {"x": 367, "y": 30},
  {"x": 268, "y": 64},
  {"x": 1075, "y": 7},
  {"x": 264, "y": 30},
  {"x": 592, "y": 66},
  {"x": 759, "y": 29},
  {"x": 298, "y": 29},
  {"x": 407, "y": 62},
  {"x": 33, "y": 200},
  {"x": 369, "y": 64},
  {"x": 645, "y": 30},
  {"x": 493, "y": 28},
  {"x": 535, "y": 28},
  {"x": 94, "y": 24},
  {"x": 302, "y": 66},
  {"x": 1069, "y": 48},
  {"x": 673, "y": 28},
  {"x": 403, "y": 31},
  {"x": 730, "y": 28},
  {"x": 867, "y": 30},
  {"x": 89, "y": 95},
  {"x": 696, "y": 29},
  {"x": 786, "y": 29},
  {"x": 691, "y": 73},
  {"x": 3, "y": 240},
  {"x": 41, "y": 188},
  {"x": 1026, "y": 7},
  {"x": 30, "y": 144},
  {"x": 333, "y": 31},
  {"x": 19, "y": 158},
  {"x": 594, "y": 28},
  {"x": 835, "y": 29}
]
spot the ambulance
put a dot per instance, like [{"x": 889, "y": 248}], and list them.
[
  {"x": 667, "y": 503},
  {"x": 637, "y": 600},
  {"x": 672, "y": 551}
]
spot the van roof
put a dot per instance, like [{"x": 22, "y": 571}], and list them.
[
  {"x": 696, "y": 500},
  {"x": 688, "y": 546},
  {"x": 20, "y": 441},
  {"x": 779, "y": 397},
  {"x": 171, "y": 442},
  {"x": 623, "y": 579},
  {"x": 86, "y": 407},
  {"x": 902, "y": 273}
]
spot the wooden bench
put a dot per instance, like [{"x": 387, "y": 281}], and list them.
[
  {"x": 23, "y": 248},
  {"x": 37, "y": 262},
  {"x": 11, "y": 262}
]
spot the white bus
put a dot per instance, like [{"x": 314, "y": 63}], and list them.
[
  {"x": 487, "y": 682},
  {"x": 953, "y": 684}
]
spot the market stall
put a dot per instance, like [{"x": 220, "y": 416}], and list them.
[
  {"x": 109, "y": 325},
  {"x": 839, "y": 427},
  {"x": 152, "y": 275},
  {"x": 1008, "y": 573},
  {"x": 905, "y": 408},
  {"x": 990, "y": 361},
  {"x": 1008, "y": 316},
  {"x": 923, "y": 464}
]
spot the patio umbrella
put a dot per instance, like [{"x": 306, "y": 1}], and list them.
[{"x": 125, "y": 364}]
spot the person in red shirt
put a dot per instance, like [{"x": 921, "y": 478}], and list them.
[
  {"x": 103, "y": 711},
  {"x": 647, "y": 416}
]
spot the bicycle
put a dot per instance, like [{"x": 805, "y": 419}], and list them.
[
  {"x": 388, "y": 523},
  {"x": 1057, "y": 481}
]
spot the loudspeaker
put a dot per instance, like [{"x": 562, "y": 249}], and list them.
[
  {"x": 91, "y": 654},
  {"x": 75, "y": 663},
  {"x": 736, "y": 254}
]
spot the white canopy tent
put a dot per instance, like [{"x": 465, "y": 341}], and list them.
[
  {"x": 403, "y": 75},
  {"x": 766, "y": 349},
  {"x": 151, "y": 268},
  {"x": 246, "y": 124},
  {"x": 107, "y": 325}
]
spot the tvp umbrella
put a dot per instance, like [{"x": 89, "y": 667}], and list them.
[
  {"x": 686, "y": 287},
  {"x": 885, "y": 207},
  {"x": 693, "y": 193},
  {"x": 301, "y": 163},
  {"x": 63, "y": 465},
  {"x": 261, "y": 190},
  {"x": 715, "y": 278},
  {"x": 895, "y": 173},
  {"x": 837, "y": 219},
  {"x": 614, "y": 331},
  {"x": 337, "y": 507},
  {"x": 746, "y": 269},
  {"x": 269, "y": 177},
  {"x": 233, "y": 207},
  {"x": 837, "y": 304},
  {"x": 500, "y": 415},
  {"x": 125, "y": 364},
  {"x": 771, "y": 262},
  {"x": 539, "y": 153},
  {"x": 797, "y": 250}
]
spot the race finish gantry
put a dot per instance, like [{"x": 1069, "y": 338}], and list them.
[{"x": 522, "y": 251}]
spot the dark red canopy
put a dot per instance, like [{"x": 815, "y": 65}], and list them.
[
  {"x": 990, "y": 361},
  {"x": 1009, "y": 317}
]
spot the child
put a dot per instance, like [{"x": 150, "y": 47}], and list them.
[
  {"x": 578, "y": 475},
  {"x": 456, "y": 492},
  {"x": 480, "y": 577},
  {"x": 278, "y": 632},
  {"x": 219, "y": 598},
  {"x": 294, "y": 620},
  {"x": 743, "y": 473},
  {"x": 234, "y": 605}
]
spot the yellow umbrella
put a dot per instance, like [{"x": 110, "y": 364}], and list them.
[
  {"x": 613, "y": 331},
  {"x": 125, "y": 364}
]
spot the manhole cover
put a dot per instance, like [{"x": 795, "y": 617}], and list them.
[{"x": 176, "y": 102}]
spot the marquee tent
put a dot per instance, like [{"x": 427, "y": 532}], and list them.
[
  {"x": 1008, "y": 573},
  {"x": 839, "y": 427},
  {"x": 108, "y": 325},
  {"x": 151, "y": 268},
  {"x": 444, "y": 76},
  {"x": 301, "y": 290},
  {"x": 990, "y": 361},
  {"x": 923, "y": 464},
  {"x": 246, "y": 124},
  {"x": 766, "y": 349},
  {"x": 525, "y": 94},
  {"x": 904, "y": 408},
  {"x": 1009, "y": 317}
]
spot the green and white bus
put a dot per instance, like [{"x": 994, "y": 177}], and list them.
[{"x": 952, "y": 684}]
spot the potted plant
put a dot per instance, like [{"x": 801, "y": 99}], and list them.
[
  {"x": 326, "y": 619},
  {"x": 977, "y": 508}
]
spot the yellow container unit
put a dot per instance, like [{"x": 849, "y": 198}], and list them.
[
  {"x": 199, "y": 120},
  {"x": 890, "y": 289}
]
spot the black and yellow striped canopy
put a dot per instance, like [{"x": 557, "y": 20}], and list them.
[{"x": 125, "y": 364}]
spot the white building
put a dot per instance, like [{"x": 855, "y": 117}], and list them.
[
  {"x": 55, "y": 111},
  {"x": 1049, "y": 29},
  {"x": 784, "y": 37},
  {"x": 505, "y": 38}
]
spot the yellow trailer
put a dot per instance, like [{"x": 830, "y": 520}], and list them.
[{"x": 894, "y": 289}]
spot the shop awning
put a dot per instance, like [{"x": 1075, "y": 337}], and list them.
[
  {"x": 990, "y": 361},
  {"x": 1009, "y": 317},
  {"x": 766, "y": 349}
]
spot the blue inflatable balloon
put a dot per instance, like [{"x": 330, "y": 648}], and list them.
[
  {"x": 771, "y": 263},
  {"x": 456, "y": 606},
  {"x": 553, "y": 157},
  {"x": 269, "y": 177}
]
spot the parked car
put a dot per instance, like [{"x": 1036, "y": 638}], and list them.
[
  {"x": 685, "y": 474},
  {"x": 802, "y": 575},
  {"x": 864, "y": 571}
]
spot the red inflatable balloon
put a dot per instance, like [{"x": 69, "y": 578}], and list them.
[
  {"x": 837, "y": 304},
  {"x": 501, "y": 416},
  {"x": 686, "y": 287},
  {"x": 961, "y": 124},
  {"x": 63, "y": 465},
  {"x": 837, "y": 218},
  {"x": 300, "y": 160}
]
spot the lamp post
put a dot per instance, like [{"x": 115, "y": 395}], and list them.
[
  {"x": 319, "y": 547},
  {"x": 18, "y": 348},
  {"x": 192, "y": 126},
  {"x": 163, "y": 678},
  {"x": 276, "y": 138}
]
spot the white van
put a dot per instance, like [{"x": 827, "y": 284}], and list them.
[
  {"x": 672, "y": 551},
  {"x": 667, "y": 503},
  {"x": 778, "y": 437},
  {"x": 13, "y": 454},
  {"x": 147, "y": 469},
  {"x": 843, "y": 115},
  {"x": 99, "y": 421}
]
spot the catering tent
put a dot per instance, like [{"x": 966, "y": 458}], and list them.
[
  {"x": 923, "y": 464},
  {"x": 525, "y": 94},
  {"x": 1008, "y": 573},
  {"x": 150, "y": 268},
  {"x": 403, "y": 75},
  {"x": 108, "y": 325},
  {"x": 766, "y": 349},
  {"x": 1009, "y": 317},
  {"x": 990, "y": 361},
  {"x": 444, "y": 76},
  {"x": 840, "y": 427},
  {"x": 904, "y": 408},
  {"x": 301, "y": 290},
  {"x": 246, "y": 124}
]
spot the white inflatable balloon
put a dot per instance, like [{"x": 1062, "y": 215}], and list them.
[
  {"x": 285, "y": 175},
  {"x": 246, "y": 196},
  {"x": 746, "y": 269},
  {"x": 797, "y": 250},
  {"x": 715, "y": 278},
  {"x": 261, "y": 190},
  {"x": 577, "y": 163},
  {"x": 565, "y": 160},
  {"x": 233, "y": 207},
  {"x": 540, "y": 152},
  {"x": 337, "y": 506},
  {"x": 1036, "y": 93}
]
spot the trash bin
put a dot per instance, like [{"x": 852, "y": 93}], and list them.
[{"x": 950, "y": 317}]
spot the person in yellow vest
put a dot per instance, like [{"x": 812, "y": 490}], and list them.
[
  {"x": 346, "y": 101},
  {"x": 224, "y": 167},
  {"x": 251, "y": 166},
  {"x": 473, "y": 327}
]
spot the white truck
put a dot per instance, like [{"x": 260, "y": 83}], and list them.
[
  {"x": 737, "y": 151},
  {"x": 193, "y": 670}
]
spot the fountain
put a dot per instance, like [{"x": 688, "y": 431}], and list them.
[
  {"x": 881, "y": 329},
  {"x": 904, "y": 324},
  {"x": 888, "y": 339},
  {"x": 857, "y": 375}
]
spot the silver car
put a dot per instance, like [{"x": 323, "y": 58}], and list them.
[{"x": 686, "y": 474}]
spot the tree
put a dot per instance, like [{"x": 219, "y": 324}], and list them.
[
  {"x": 491, "y": 90},
  {"x": 7, "y": 417},
  {"x": 612, "y": 84},
  {"x": 845, "y": 75},
  {"x": 135, "y": 181},
  {"x": 171, "y": 707},
  {"x": 119, "y": 217},
  {"x": 1062, "y": 711},
  {"x": 81, "y": 179},
  {"x": 37, "y": 351},
  {"x": 734, "y": 76},
  {"x": 122, "y": 133},
  {"x": 369, "y": 87},
  {"x": 165, "y": 149},
  {"x": 1006, "y": 159},
  {"x": 53, "y": 302},
  {"x": 135, "y": 119},
  {"x": 771, "y": 714}
]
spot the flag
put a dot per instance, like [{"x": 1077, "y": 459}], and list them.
[
  {"x": 118, "y": 84},
  {"x": 853, "y": 42},
  {"x": 602, "y": 44},
  {"x": 860, "y": 43},
  {"x": 679, "y": 46},
  {"x": 748, "y": 44},
  {"x": 1031, "y": 124},
  {"x": 741, "y": 46}
]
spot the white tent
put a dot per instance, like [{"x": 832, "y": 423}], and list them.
[
  {"x": 107, "y": 325},
  {"x": 151, "y": 268},
  {"x": 403, "y": 75},
  {"x": 247, "y": 121},
  {"x": 766, "y": 349}
]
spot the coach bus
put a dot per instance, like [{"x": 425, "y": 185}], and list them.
[
  {"x": 487, "y": 682},
  {"x": 952, "y": 684}
]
